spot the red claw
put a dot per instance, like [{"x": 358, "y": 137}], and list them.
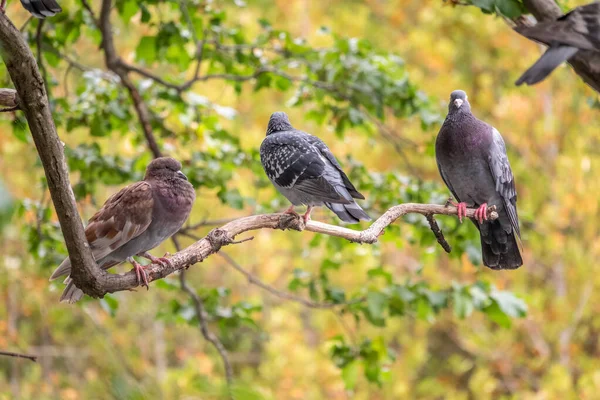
[
  {"x": 462, "y": 209},
  {"x": 140, "y": 273},
  {"x": 481, "y": 213},
  {"x": 306, "y": 216}
]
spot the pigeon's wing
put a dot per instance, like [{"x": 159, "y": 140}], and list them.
[
  {"x": 579, "y": 28},
  {"x": 41, "y": 8},
  {"x": 503, "y": 177},
  {"x": 447, "y": 181},
  {"x": 124, "y": 216},
  {"x": 325, "y": 152},
  {"x": 292, "y": 163}
]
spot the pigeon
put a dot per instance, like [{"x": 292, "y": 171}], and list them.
[
  {"x": 134, "y": 220},
  {"x": 303, "y": 169},
  {"x": 39, "y": 8},
  {"x": 471, "y": 158},
  {"x": 577, "y": 30}
]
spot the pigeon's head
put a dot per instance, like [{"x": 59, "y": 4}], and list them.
[
  {"x": 164, "y": 168},
  {"x": 279, "y": 122},
  {"x": 459, "y": 102}
]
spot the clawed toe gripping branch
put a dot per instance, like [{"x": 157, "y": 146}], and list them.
[{"x": 102, "y": 282}]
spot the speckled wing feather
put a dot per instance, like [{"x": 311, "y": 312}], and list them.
[
  {"x": 124, "y": 216},
  {"x": 324, "y": 150},
  {"x": 291, "y": 162}
]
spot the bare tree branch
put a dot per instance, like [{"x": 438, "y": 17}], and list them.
[
  {"x": 281, "y": 294},
  {"x": 116, "y": 64},
  {"x": 18, "y": 355},
  {"x": 439, "y": 235},
  {"x": 208, "y": 335},
  {"x": 225, "y": 235},
  {"x": 33, "y": 100},
  {"x": 9, "y": 99}
]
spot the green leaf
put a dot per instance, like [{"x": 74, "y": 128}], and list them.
[
  {"x": 463, "y": 304},
  {"x": 510, "y": 304},
  {"x": 485, "y": 5},
  {"x": 376, "y": 304},
  {"x": 146, "y": 49},
  {"x": 110, "y": 304},
  {"x": 510, "y": 8},
  {"x": 350, "y": 375}
]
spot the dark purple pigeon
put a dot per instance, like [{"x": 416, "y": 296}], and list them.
[
  {"x": 471, "y": 157},
  {"x": 136, "y": 219}
]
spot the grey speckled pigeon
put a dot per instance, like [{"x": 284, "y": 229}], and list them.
[
  {"x": 39, "y": 8},
  {"x": 135, "y": 220},
  {"x": 305, "y": 171},
  {"x": 471, "y": 157},
  {"x": 577, "y": 30}
]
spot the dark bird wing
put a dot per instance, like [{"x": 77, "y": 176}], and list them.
[
  {"x": 577, "y": 30},
  {"x": 447, "y": 181},
  {"x": 124, "y": 216},
  {"x": 503, "y": 178},
  {"x": 324, "y": 150},
  {"x": 291, "y": 162},
  {"x": 42, "y": 8}
]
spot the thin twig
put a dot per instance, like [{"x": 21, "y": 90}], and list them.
[
  {"x": 19, "y": 355},
  {"x": 439, "y": 235},
  {"x": 281, "y": 294},
  {"x": 208, "y": 335}
]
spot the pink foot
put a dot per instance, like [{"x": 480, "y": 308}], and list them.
[
  {"x": 462, "y": 209},
  {"x": 140, "y": 273},
  {"x": 306, "y": 215},
  {"x": 291, "y": 211},
  {"x": 163, "y": 261},
  {"x": 481, "y": 213},
  {"x": 3, "y": 6}
]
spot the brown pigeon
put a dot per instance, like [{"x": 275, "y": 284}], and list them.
[
  {"x": 471, "y": 157},
  {"x": 136, "y": 219}
]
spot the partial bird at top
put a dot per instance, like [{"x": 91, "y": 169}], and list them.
[
  {"x": 565, "y": 36},
  {"x": 39, "y": 8},
  {"x": 303, "y": 169},
  {"x": 471, "y": 157}
]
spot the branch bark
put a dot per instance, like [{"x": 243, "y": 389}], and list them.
[
  {"x": 33, "y": 100},
  {"x": 18, "y": 355},
  {"x": 9, "y": 99},
  {"x": 225, "y": 235},
  {"x": 585, "y": 63}
]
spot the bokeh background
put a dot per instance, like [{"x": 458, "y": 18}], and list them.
[{"x": 425, "y": 324}]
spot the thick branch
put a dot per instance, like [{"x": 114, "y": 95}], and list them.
[
  {"x": 585, "y": 63},
  {"x": 225, "y": 235},
  {"x": 9, "y": 100},
  {"x": 18, "y": 355},
  {"x": 33, "y": 101}
]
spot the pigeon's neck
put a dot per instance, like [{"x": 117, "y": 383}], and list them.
[
  {"x": 279, "y": 126},
  {"x": 459, "y": 117}
]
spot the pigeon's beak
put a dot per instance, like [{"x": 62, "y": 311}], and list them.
[
  {"x": 182, "y": 175},
  {"x": 458, "y": 103}
]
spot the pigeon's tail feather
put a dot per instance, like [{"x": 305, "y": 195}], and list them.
[
  {"x": 42, "y": 8},
  {"x": 551, "y": 59},
  {"x": 63, "y": 269},
  {"x": 499, "y": 249},
  {"x": 348, "y": 212},
  {"x": 71, "y": 294}
]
